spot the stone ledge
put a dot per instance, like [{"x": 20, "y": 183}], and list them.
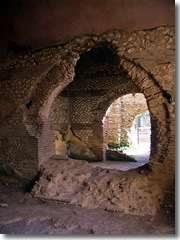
[{"x": 118, "y": 156}]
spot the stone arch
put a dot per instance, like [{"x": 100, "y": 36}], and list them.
[
  {"x": 61, "y": 73},
  {"x": 58, "y": 77},
  {"x": 37, "y": 119},
  {"x": 157, "y": 100}
]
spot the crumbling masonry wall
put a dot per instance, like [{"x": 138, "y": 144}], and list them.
[{"x": 31, "y": 82}]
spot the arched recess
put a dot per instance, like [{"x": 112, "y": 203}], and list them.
[
  {"x": 37, "y": 121},
  {"x": 37, "y": 117},
  {"x": 157, "y": 101}
]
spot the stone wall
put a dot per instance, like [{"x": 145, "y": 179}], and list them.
[
  {"x": 38, "y": 24},
  {"x": 136, "y": 62},
  {"x": 19, "y": 154},
  {"x": 114, "y": 124},
  {"x": 60, "y": 111}
]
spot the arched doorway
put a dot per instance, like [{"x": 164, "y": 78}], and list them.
[
  {"x": 92, "y": 92},
  {"x": 122, "y": 123},
  {"x": 127, "y": 130},
  {"x": 116, "y": 76},
  {"x": 75, "y": 114},
  {"x": 112, "y": 69}
]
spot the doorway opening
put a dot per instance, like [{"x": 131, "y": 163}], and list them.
[
  {"x": 100, "y": 77},
  {"x": 127, "y": 133},
  {"x": 140, "y": 135}
]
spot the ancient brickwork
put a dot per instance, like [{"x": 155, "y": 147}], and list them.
[
  {"x": 96, "y": 74},
  {"x": 17, "y": 158},
  {"x": 114, "y": 124},
  {"x": 62, "y": 115},
  {"x": 143, "y": 62}
]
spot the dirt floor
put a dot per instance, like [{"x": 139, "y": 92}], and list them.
[{"x": 20, "y": 213}]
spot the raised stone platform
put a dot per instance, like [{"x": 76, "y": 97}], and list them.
[
  {"x": 76, "y": 182},
  {"x": 118, "y": 156}
]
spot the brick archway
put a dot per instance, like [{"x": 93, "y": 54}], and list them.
[
  {"x": 31, "y": 82},
  {"x": 157, "y": 101},
  {"x": 37, "y": 119},
  {"x": 61, "y": 73}
]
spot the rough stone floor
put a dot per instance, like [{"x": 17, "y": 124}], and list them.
[{"x": 22, "y": 214}]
